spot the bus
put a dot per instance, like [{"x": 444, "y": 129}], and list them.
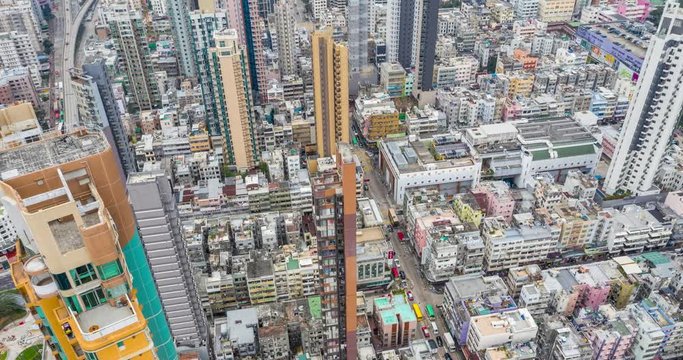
[
  {"x": 392, "y": 217},
  {"x": 430, "y": 312},
  {"x": 418, "y": 312}
]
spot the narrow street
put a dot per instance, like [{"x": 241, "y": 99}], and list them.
[{"x": 417, "y": 284}]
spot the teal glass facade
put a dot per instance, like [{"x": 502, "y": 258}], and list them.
[{"x": 147, "y": 296}]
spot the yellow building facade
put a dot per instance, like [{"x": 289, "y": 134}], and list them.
[
  {"x": 233, "y": 99},
  {"x": 331, "y": 92}
]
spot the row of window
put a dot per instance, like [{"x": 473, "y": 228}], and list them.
[{"x": 86, "y": 273}]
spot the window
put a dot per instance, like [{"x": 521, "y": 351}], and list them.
[
  {"x": 83, "y": 274},
  {"x": 90, "y": 356},
  {"x": 110, "y": 270},
  {"x": 93, "y": 298},
  {"x": 117, "y": 291},
  {"x": 73, "y": 304},
  {"x": 62, "y": 281}
]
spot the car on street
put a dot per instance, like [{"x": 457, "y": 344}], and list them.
[
  {"x": 448, "y": 356},
  {"x": 439, "y": 341},
  {"x": 402, "y": 274},
  {"x": 425, "y": 331},
  {"x": 410, "y": 295}
]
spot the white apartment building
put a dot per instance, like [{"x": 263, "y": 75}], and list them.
[
  {"x": 509, "y": 328},
  {"x": 636, "y": 230},
  {"x": 465, "y": 108},
  {"x": 653, "y": 113},
  {"x": 319, "y": 9},
  {"x": 22, "y": 16},
  {"x": 407, "y": 163},
  {"x": 17, "y": 50},
  {"x": 457, "y": 71},
  {"x": 535, "y": 298},
  {"x": 425, "y": 121},
  {"x": 509, "y": 246},
  {"x": 526, "y": 9}
]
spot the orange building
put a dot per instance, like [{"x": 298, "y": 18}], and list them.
[
  {"x": 78, "y": 236},
  {"x": 334, "y": 199}
]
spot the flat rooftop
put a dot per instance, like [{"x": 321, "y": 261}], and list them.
[
  {"x": 509, "y": 322},
  {"x": 50, "y": 152},
  {"x": 419, "y": 155},
  {"x": 559, "y": 131}
]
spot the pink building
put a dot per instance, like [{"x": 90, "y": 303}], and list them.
[
  {"x": 495, "y": 199},
  {"x": 425, "y": 224},
  {"x": 611, "y": 341},
  {"x": 396, "y": 321}
]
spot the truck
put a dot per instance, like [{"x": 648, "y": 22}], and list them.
[
  {"x": 435, "y": 328},
  {"x": 450, "y": 344}
]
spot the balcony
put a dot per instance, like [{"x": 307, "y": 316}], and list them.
[
  {"x": 43, "y": 285},
  {"x": 35, "y": 266},
  {"x": 107, "y": 319}
]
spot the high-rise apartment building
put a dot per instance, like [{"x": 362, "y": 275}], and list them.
[
  {"x": 551, "y": 11},
  {"x": 84, "y": 274},
  {"x": 130, "y": 38},
  {"x": 330, "y": 91},
  {"x": 16, "y": 85},
  {"x": 526, "y": 9},
  {"x": 178, "y": 11},
  {"x": 93, "y": 116},
  {"x": 232, "y": 99},
  {"x": 112, "y": 124},
  {"x": 23, "y": 17},
  {"x": 334, "y": 200},
  {"x": 204, "y": 25},
  {"x": 424, "y": 51},
  {"x": 399, "y": 35},
  {"x": 151, "y": 196},
  {"x": 17, "y": 50},
  {"x": 286, "y": 40},
  {"x": 654, "y": 111},
  {"x": 358, "y": 14},
  {"x": 254, "y": 28},
  {"x": 319, "y": 9}
]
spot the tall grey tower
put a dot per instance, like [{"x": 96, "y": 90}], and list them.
[
  {"x": 358, "y": 14},
  {"x": 358, "y": 33},
  {"x": 129, "y": 33},
  {"x": 400, "y": 32},
  {"x": 151, "y": 195},
  {"x": 426, "y": 31},
  {"x": 178, "y": 11},
  {"x": 97, "y": 110},
  {"x": 286, "y": 40},
  {"x": 654, "y": 111}
]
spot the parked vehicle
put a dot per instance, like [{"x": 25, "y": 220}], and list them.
[{"x": 425, "y": 331}]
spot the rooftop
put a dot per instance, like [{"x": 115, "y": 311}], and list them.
[
  {"x": 49, "y": 152},
  {"x": 426, "y": 155},
  {"x": 509, "y": 322}
]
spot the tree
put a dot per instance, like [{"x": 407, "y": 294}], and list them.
[
  {"x": 47, "y": 12},
  {"x": 10, "y": 304},
  {"x": 47, "y": 46},
  {"x": 264, "y": 169}
]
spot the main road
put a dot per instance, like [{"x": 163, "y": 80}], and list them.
[{"x": 71, "y": 30}]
